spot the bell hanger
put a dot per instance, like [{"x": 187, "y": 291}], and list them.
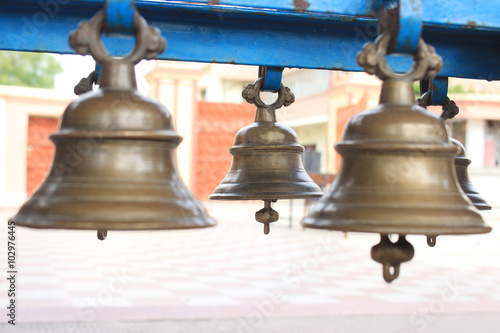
[
  {"x": 266, "y": 162},
  {"x": 114, "y": 166},
  {"x": 397, "y": 174}
]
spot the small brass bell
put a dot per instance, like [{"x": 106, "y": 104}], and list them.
[
  {"x": 267, "y": 162},
  {"x": 114, "y": 166},
  {"x": 461, "y": 164},
  {"x": 450, "y": 110},
  {"x": 397, "y": 174}
]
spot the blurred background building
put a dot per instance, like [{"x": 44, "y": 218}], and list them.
[{"x": 207, "y": 108}]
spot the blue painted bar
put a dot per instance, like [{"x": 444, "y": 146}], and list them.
[
  {"x": 119, "y": 17},
  {"x": 253, "y": 36},
  {"x": 439, "y": 90},
  {"x": 410, "y": 26},
  {"x": 479, "y": 13},
  {"x": 272, "y": 78},
  {"x": 98, "y": 70}
]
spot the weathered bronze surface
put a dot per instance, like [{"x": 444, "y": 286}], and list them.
[
  {"x": 266, "y": 161},
  {"x": 397, "y": 174},
  {"x": 114, "y": 166},
  {"x": 461, "y": 164}
]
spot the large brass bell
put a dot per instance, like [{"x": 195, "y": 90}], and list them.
[
  {"x": 397, "y": 174},
  {"x": 267, "y": 162},
  {"x": 114, "y": 166}
]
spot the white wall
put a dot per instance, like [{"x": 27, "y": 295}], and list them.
[
  {"x": 314, "y": 135},
  {"x": 474, "y": 141}
]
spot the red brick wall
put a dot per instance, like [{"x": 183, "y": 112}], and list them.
[
  {"x": 216, "y": 125},
  {"x": 344, "y": 115},
  {"x": 40, "y": 150}
]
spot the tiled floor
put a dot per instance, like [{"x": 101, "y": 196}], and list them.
[{"x": 237, "y": 278}]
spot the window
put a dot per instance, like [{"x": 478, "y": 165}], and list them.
[{"x": 311, "y": 159}]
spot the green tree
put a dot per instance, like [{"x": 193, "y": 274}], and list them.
[
  {"x": 28, "y": 69},
  {"x": 416, "y": 88}
]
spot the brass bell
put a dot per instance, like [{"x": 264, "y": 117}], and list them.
[
  {"x": 114, "y": 166},
  {"x": 461, "y": 164},
  {"x": 397, "y": 174},
  {"x": 450, "y": 110},
  {"x": 267, "y": 162}
]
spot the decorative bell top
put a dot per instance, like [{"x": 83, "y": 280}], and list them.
[
  {"x": 390, "y": 123},
  {"x": 397, "y": 124},
  {"x": 265, "y": 131},
  {"x": 130, "y": 115}
]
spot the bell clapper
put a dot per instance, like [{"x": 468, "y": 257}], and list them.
[
  {"x": 267, "y": 228},
  {"x": 267, "y": 215},
  {"x": 431, "y": 241},
  {"x": 390, "y": 272},
  {"x": 391, "y": 255},
  {"x": 102, "y": 234}
]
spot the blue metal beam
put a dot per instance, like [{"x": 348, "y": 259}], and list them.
[
  {"x": 410, "y": 26},
  {"x": 466, "y": 33},
  {"x": 119, "y": 17}
]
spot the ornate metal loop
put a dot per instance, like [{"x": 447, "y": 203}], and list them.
[
  {"x": 427, "y": 63},
  {"x": 423, "y": 101},
  {"x": 450, "y": 108},
  {"x": 251, "y": 94},
  {"x": 85, "y": 84},
  {"x": 87, "y": 40}
]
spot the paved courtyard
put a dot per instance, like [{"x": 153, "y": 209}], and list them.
[{"x": 233, "y": 278}]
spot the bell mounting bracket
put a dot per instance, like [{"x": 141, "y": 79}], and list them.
[
  {"x": 404, "y": 20},
  {"x": 87, "y": 40},
  {"x": 435, "y": 92},
  {"x": 119, "y": 17},
  {"x": 271, "y": 77},
  {"x": 427, "y": 63},
  {"x": 251, "y": 94}
]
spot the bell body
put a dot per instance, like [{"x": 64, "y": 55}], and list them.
[
  {"x": 461, "y": 165},
  {"x": 266, "y": 164},
  {"x": 397, "y": 174},
  {"x": 114, "y": 167}
]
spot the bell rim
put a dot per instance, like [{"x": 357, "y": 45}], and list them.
[
  {"x": 291, "y": 148},
  {"x": 482, "y": 205},
  {"x": 462, "y": 161},
  {"x": 230, "y": 197},
  {"x": 363, "y": 227},
  {"x": 66, "y": 223},
  {"x": 159, "y": 135},
  {"x": 346, "y": 148},
  {"x": 478, "y": 201}
]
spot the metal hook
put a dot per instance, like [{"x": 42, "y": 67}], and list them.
[
  {"x": 85, "y": 85},
  {"x": 431, "y": 241},
  {"x": 435, "y": 92},
  {"x": 102, "y": 234},
  {"x": 388, "y": 275},
  {"x": 267, "y": 215}
]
